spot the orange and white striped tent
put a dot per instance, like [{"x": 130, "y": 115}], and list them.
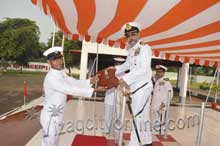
[{"x": 181, "y": 30}]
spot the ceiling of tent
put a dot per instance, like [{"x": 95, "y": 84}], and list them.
[{"x": 180, "y": 30}]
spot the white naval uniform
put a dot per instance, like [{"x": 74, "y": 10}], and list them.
[
  {"x": 139, "y": 63},
  {"x": 162, "y": 91},
  {"x": 111, "y": 109},
  {"x": 57, "y": 85}
]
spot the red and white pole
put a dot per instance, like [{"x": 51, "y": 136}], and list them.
[{"x": 25, "y": 92}]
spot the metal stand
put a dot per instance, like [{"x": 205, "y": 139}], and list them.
[
  {"x": 199, "y": 133},
  {"x": 211, "y": 86},
  {"x": 122, "y": 122}
]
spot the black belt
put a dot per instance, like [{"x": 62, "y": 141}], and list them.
[
  {"x": 139, "y": 88},
  {"x": 143, "y": 107},
  {"x": 144, "y": 103}
]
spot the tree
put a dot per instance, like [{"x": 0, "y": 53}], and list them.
[
  {"x": 19, "y": 40},
  {"x": 70, "y": 59}
]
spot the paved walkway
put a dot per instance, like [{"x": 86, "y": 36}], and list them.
[{"x": 79, "y": 112}]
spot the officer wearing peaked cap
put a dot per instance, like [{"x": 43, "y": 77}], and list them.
[
  {"x": 57, "y": 85},
  {"x": 162, "y": 95},
  {"x": 138, "y": 82}
]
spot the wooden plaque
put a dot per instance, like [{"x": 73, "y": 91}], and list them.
[{"x": 107, "y": 78}]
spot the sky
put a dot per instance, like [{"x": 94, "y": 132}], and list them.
[{"x": 25, "y": 9}]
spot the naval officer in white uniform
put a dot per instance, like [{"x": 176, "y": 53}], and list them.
[
  {"x": 57, "y": 85},
  {"x": 137, "y": 80},
  {"x": 162, "y": 95}
]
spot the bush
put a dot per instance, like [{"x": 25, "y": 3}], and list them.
[
  {"x": 216, "y": 88},
  {"x": 204, "y": 86}
]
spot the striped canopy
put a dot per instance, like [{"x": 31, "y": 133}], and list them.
[{"x": 180, "y": 30}]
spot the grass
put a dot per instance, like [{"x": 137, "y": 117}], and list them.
[{"x": 12, "y": 86}]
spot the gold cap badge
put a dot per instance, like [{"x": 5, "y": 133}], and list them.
[{"x": 128, "y": 27}]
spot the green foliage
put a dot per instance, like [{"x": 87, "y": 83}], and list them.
[
  {"x": 19, "y": 40},
  {"x": 70, "y": 59},
  {"x": 216, "y": 89},
  {"x": 172, "y": 69},
  {"x": 204, "y": 86},
  {"x": 202, "y": 70}
]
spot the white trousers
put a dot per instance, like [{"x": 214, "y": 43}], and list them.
[
  {"x": 143, "y": 119},
  {"x": 112, "y": 114},
  {"x": 158, "y": 121},
  {"x": 50, "y": 129}
]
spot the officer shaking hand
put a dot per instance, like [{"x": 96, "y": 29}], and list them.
[{"x": 57, "y": 85}]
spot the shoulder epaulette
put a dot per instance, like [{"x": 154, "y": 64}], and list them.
[
  {"x": 142, "y": 43},
  {"x": 166, "y": 79}
]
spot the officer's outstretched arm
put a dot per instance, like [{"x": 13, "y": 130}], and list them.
[
  {"x": 70, "y": 89},
  {"x": 79, "y": 83},
  {"x": 122, "y": 68}
]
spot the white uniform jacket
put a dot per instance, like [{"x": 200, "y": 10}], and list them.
[
  {"x": 57, "y": 85},
  {"x": 161, "y": 93},
  {"x": 139, "y": 63}
]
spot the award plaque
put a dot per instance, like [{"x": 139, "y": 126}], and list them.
[{"x": 107, "y": 78}]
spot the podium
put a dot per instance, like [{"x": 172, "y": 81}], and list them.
[{"x": 107, "y": 78}]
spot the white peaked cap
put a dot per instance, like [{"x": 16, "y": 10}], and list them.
[
  {"x": 134, "y": 24},
  {"x": 52, "y": 49},
  {"x": 161, "y": 67}
]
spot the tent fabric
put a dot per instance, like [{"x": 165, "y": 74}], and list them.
[{"x": 180, "y": 30}]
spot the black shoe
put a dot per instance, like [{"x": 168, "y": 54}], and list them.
[{"x": 148, "y": 144}]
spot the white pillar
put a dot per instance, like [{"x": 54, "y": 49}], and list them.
[
  {"x": 83, "y": 62},
  {"x": 183, "y": 81},
  {"x": 179, "y": 77}
]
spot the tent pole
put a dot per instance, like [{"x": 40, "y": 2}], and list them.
[
  {"x": 122, "y": 121},
  {"x": 201, "y": 121},
  {"x": 189, "y": 84},
  {"x": 217, "y": 83},
  {"x": 211, "y": 86},
  {"x": 54, "y": 33},
  {"x": 63, "y": 40},
  {"x": 95, "y": 94}
]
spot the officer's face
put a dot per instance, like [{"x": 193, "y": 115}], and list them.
[
  {"x": 56, "y": 64},
  {"x": 132, "y": 38},
  {"x": 159, "y": 74}
]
